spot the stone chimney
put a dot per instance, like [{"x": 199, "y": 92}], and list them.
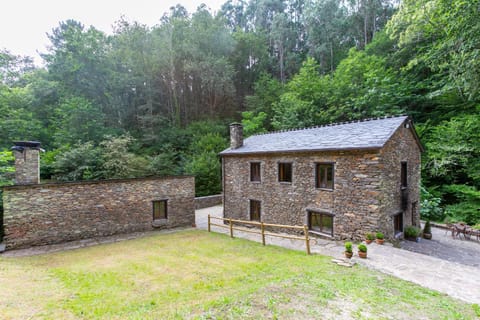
[
  {"x": 27, "y": 162},
  {"x": 236, "y": 135}
]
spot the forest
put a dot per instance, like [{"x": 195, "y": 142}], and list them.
[{"x": 158, "y": 100}]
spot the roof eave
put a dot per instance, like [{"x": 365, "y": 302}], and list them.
[{"x": 233, "y": 153}]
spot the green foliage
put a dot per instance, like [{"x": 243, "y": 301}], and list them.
[
  {"x": 362, "y": 247},
  {"x": 7, "y": 171},
  {"x": 369, "y": 236},
  {"x": 253, "y": 124},
  {"x": 203, "y": 162},
  {"x": 348, "y": 247},
  {"x": 411, "y": 232},
  {"x": 379, "y": 235},
  {"x": 430, "y": 208},
  {"x": 466, "y": 203},
  {"x": 80, "y": 162},
  {"x": 78, "y": 120},
  {"x": 118, "y": 161}
]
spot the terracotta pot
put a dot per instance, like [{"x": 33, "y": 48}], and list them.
[
  {"x": 348, "y": 254},
  {"x": 380, "y": 241},
  {"x": 362, "y": 255},
  {"x": 368, "y": 241},
  {"x": 427, "y": 236}
]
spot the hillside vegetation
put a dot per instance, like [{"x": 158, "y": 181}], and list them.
[{"x": 157, "y": 100}]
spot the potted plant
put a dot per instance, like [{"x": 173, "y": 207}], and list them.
[
  {"x": 369, "y": 237},
  {"x": 348, "y": 250},
  {"x": 379, "y": 238},
  {"x": 362, "y": 250},
  {"x": 411, "y": 233},
  {"x": 427, "y": 230}
]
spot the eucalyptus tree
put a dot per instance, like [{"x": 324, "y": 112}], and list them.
[{"x": 77, "y": 59}]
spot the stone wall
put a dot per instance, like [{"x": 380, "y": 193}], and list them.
[
  {"x": 402, "y": 147},
  {"x": 208, "y": 201},
  {"x": 54, "y": 213},
  {"x": 27, "y": 165},
  {"x": 364, "y": 198}
]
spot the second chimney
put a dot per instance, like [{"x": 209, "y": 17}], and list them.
[
  {"x": 236, "y": 135},
  {"x": 27, "y": 162}
]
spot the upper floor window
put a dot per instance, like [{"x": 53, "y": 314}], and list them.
[
  {"x": 255, "y": 171},
  {"x": 159, "y": 209},
  {"x": 324, "y": 175},
  {"x": 404, "y": 175},
  {"x": 285, "y": 172},
  {"x": 255, "y": 210}
]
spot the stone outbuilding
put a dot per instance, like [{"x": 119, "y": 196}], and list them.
[
  {"x": 45, "y": 213},
  {"x": 342, "y": 180}
]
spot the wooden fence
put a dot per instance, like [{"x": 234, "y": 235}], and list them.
[{"x": 262, "y": 231}]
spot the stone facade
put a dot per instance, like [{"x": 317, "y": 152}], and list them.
[
  {"x": 27, "y": 162},
  {"x": 54, "y": 213},
  {"x": 365, "y": 197}
]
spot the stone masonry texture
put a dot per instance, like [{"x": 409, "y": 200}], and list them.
[
  {"x": 54, "y": 213},
  {"x": 365, "y": 197},
  {"x": 27, "y": 166}
]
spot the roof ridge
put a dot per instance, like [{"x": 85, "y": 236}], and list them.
[{"x": 331, "y": 124}]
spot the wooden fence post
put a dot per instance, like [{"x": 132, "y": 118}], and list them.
[
  {"x": 307, "y": 240},
  {"x": 263, "y": 232},
  {"x": 208, "y": 223},
  {"x": 231, "y": 228}
]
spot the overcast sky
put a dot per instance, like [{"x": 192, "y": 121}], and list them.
[{"x": 25, "y": 23}]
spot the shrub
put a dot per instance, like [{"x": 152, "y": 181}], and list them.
[
  {"x": 369, "y": 236},
  {"x": 362, "y": 247},
  {"x": 427, "y": 228},
  {"x": 348, "y": 247},
  {"x": 430, "y": 208},
  {"x": 380, "y": 236},
  {"x": 411, "y": 232}
]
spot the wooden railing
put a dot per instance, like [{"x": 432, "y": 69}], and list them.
[{"x": 262, "y": 231}]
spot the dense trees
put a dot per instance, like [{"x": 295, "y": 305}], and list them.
[{"x": 157, "y": 100}]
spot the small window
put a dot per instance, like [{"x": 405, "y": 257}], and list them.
[
  {"x": 255, "y": 210},
  {"x": 404, "y": 175},
  {"x": 255, "y": 172},
  {"x": 324, "y": 175},
  {"x": 159, "y": 209},
  {"x": 320, "y": 222},
  {"x": 285, "y": 172}
]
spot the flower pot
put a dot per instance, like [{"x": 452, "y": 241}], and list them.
[
  {"x": 427, "y": 236},
  {"x": 380, "y": 241},
  {"x": 348, "y": 254},
  {"x": 362, "y": 254},
  {"x": 368, "y": 241}
]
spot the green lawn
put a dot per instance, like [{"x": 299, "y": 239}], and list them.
[{"x": 197, "y": 275}]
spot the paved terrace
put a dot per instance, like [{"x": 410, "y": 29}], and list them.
[{"x": 459, "y": 278}]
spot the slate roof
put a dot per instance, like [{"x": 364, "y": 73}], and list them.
[{"x": 365, "y": 134}]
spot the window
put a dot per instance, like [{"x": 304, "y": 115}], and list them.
[
  {"x": 324, "y": 175},
  {"x": 159, "y": 209},
  {"x": 320, "y": 222},
  {"x": 255, "y": 172},
  {"x": 285, "y": 172},
  {"x": 255, "y": 210},
  {"x": 403, "y": 175}
]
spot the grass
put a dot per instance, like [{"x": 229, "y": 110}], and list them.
[{"x": 200, "y": 275}]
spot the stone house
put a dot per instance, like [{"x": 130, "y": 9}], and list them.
[
  {"x": 47, "y": 213},
  {"x": 342, "y": 180}
]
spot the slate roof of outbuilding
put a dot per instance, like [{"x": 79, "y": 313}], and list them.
[{"x": 363, "y": 134}]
